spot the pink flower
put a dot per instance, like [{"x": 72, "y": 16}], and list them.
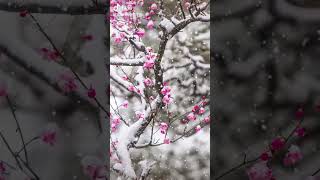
[
  {"x": 195, "y": 108},
  {"x": 67, "y": 82},
  {"x": 140, "y": 32},
  {"x": 49, "y": 137},
  {"x": 91, "y": 93},
  {"x": 191, "y": 117},
  {"x": 140, "y": 115},
  {"x": 167, "y": 99},
  {"x": 163, "y": 127},
  {"x": 166, "y": 141},
  {"x": 201, "y": 111},
  {"x": 125, "y": 78},
  {"x": 293, "y": 156},
  {"x": 206, "y": 119},
  {"x": 197, "y": 128},
  {"x": 148, "y": 64},
  {"x": 153, "y": 7},
  {"x": 148, "y": 82},
  {"x": 187, "y": 5},
  {"x": 23, "y": 13},
  {"x": 277, "y": 144},
  {"x": 165, "y": 90},
  {"x": 300, "y": 132},
  {"x": 150, "y": 24},
  {"x": 115, "y": 123},
  {"x": 260, "y": 171},
  {"x": 131, "y": 88},
  {"x": 265, "y": 156},
  {"x": 125, "y": 104},
  {"x": 299, "y": 113}
]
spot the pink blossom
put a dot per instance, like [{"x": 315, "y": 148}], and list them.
[
  {"x": 153, "y": 7},
  {"x": 163, "y": 127},
  {"x": 195, "y": 108},
  {"x": 299, "y": 113},
  {"x": 140, "y": 115},
  {"x": 49, "y": 137},
  {"x": 300, "y": 132},
  {"x": 293, "y": 156},
  {"x": 265, "y": 156},
  {"x": 131, "y": 88},
  {"x": 148, "y": 82},
  {"x": 148, "y": 64},
  {"x": 67, "y": 82},
  {"x": 125, "y": 104},
  {"x": 166, "y": 141},
  {"x": 167, "y": 99},
  {"x": 115, "y": 123},
  {"x": 260, "y": 171},
  {"x": 187, "y": 5},
  {"x": 206, "y": 119},
  {"x": 201, "y": 111},
  {"x": 197, "y": 128},
  {"x": 140, "y": 32},
  {"x": 125, "y": 78},
  {"x": 23, "y": 13},
  {"x": 91, "y": 93},
  {"x": 165, "y": 90},
  {"x": 277, "y": 144},
  {"x": 150, "y": 24},
  {"x": 147, "y": 16},
  {"x": 191, "y": 117}
]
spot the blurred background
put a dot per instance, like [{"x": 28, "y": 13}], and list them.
[
  {"x": 265, "y": 57},
  {"x": 33, "y": 82}
]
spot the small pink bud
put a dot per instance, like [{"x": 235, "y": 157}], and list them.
[{"x": 91, "y": 93}]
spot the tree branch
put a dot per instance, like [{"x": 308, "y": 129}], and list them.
[{"x": 43, "y": 9}]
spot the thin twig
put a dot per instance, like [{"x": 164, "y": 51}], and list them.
[{"x": 18, "y": 128}]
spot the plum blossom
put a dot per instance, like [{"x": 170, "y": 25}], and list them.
[
  {"x": 293, "y": 156},
  {"x": 277, "y": 144},
  {"x": 153, "y": 7},
  {"x": 148, "y": 82},
  {"x": 67, "y": 82},
  {"x": 206, "y": 119},
  {"x": 150, "y": 24},
  {"x": 163, "y": 127},
  {"x": 131, "y": 88},
  {"x": 140, "y": 32},
  {"x": 260, "y": 171},
  {"x": 265, "y": 156},
  {"x": 165, "y": 90},
  {"x": 191, "y": 117},
  {"x": 300, "y": 132},
  {"x": 148, "y": 64},
  {"x": 91, "y": 92},
  {"x": 201, "y": 110},
  {"x": 140, "y": 115},
  {"x": 195, "y": 108},
  {"x": 49, "y": 137},
  {"x": 166, "y": 141},
  {"x": 197, "y": 128},
  {"x": 115, "y": 123},
  {"x": 125, "y": 104},
  {"x": 167, "y": 99}
]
